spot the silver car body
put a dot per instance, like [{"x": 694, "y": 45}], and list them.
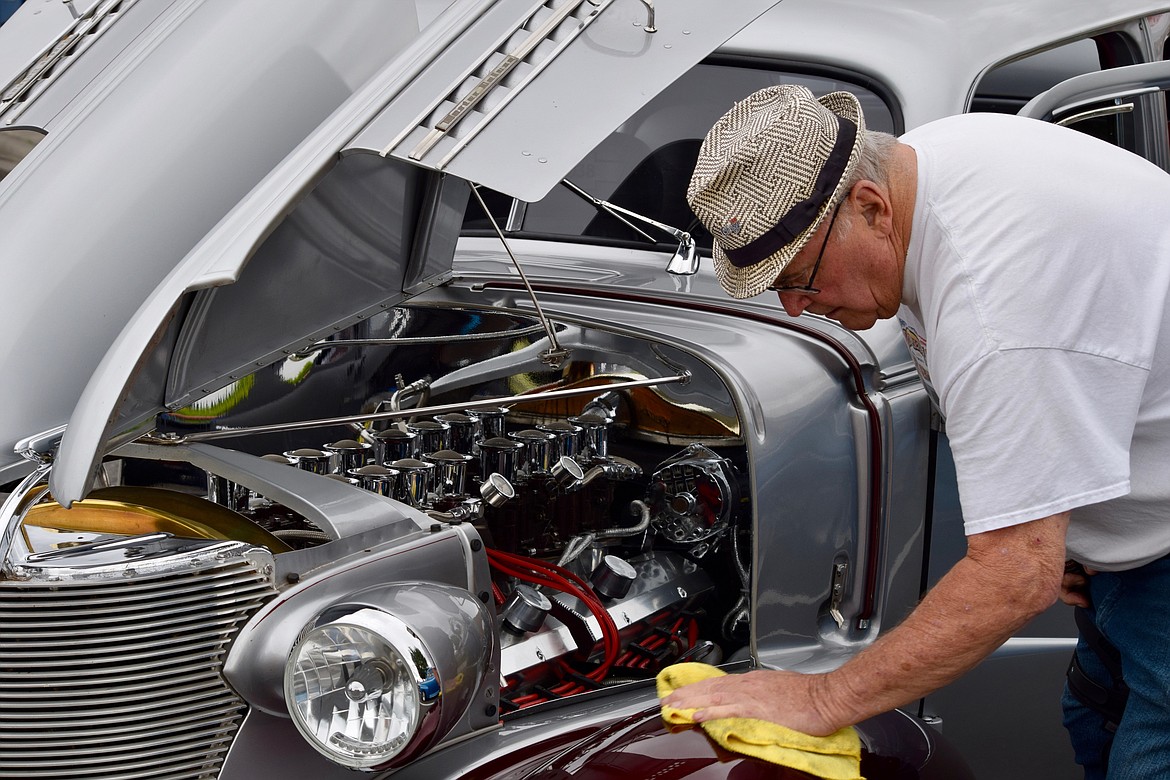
[{"x": 243, "y": 217}]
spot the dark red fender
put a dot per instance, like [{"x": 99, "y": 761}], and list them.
[{"x": 895, "y": 747}]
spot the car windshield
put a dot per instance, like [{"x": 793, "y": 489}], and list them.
[{"x": 646, "y": 163}]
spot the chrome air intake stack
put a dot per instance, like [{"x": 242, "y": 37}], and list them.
[{"x": 529, "y": 488}]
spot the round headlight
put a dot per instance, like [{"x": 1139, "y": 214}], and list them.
[{"x": 359, "y": 687}]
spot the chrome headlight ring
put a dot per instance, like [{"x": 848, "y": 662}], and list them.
[
  {"x": 361, "y": 686},
  {"x": 371, "y": 686}
]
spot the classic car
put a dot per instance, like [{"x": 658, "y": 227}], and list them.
[{"x": 369, "y": 403}]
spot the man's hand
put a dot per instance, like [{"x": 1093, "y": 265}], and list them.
[
  {"x": 1074, "y": 587},
  {"x": 786, "y": 698}
]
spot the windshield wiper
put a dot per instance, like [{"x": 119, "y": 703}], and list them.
[{"x": 684, "y": 261}]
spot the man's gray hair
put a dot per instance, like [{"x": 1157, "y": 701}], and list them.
[
  {"x": 877, "y": 152},
  {"x": 877, "y": 149}
]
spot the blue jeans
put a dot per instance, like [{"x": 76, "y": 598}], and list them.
[{"x": 1132, "y": 610}]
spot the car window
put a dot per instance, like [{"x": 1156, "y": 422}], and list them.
[
  {"x": 1124, "y": 121},
  {"x": 646, "y": 163},
  {"x": 1007, "y": 88},
  {"x": 14, "y": 145}
]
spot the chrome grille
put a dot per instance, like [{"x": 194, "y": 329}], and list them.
[{"x": 119, "y": 680}]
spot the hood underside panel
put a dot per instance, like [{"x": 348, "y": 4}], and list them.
[
  {"x": 370, "y": 229},
  {"x": 515, "y": 105}
]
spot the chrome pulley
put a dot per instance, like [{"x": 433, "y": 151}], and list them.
[{"x": 692, "y": 496}]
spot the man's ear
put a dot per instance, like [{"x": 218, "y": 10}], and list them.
[{"x": 872, "y": 201}]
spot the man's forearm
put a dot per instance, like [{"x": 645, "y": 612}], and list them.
[
  {"x": 1007, "y": 577},
  {"x": 965, "y": 617}
]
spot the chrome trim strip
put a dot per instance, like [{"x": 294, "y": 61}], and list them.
[
  {"x": 99, "y": 546},
  {"x": 226, "y": 433},
  {"x": 1097, "y": 87},
  {"x": 492, "y": 80},
  {"x": 536, "y": 71},
  {"x": 1120, "y": 108},
  {"x": 53, "y": 61},
  {"x": 494, "y": 77},
  {"x": 430, "y": 109}
]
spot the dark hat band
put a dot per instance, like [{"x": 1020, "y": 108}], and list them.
[{"x": 802, "y": 214}]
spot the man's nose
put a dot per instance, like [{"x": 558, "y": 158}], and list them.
[{"x": 794, "y": 303}]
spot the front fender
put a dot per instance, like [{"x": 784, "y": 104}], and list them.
[{"x": 895, "y": 746}]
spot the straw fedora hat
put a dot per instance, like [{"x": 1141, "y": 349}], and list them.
[{"x": 768, "y": 173}]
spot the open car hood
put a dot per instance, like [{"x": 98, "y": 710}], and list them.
[
  {"x": 366, "y": 209},
  {"x": 155, "y": 117}
]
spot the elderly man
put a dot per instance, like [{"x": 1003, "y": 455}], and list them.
[{"x": 1029, "y": 265}]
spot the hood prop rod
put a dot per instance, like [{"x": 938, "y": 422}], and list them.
[{"x": 556, "y": 355}]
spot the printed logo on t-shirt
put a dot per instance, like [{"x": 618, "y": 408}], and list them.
[{"x": 916, "y": 343}]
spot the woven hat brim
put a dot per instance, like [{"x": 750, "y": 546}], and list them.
[{"x": 754, "y": 279}]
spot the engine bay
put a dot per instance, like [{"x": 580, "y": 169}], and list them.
[{"x": 612, "y": 503}]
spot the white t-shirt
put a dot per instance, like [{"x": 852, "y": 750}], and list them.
[{"x": 1035, "y": 301}]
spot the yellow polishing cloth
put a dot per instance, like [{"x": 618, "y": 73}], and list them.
[{"x": 835, "y": 757}]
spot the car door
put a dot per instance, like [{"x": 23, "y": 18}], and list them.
[{"x": 1125, "y": 106}]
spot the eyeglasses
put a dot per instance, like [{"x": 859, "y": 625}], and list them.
[{"x": 807, "y": 288}]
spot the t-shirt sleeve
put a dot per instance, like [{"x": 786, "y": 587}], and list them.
[{"x": 1038, "y": 431}]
